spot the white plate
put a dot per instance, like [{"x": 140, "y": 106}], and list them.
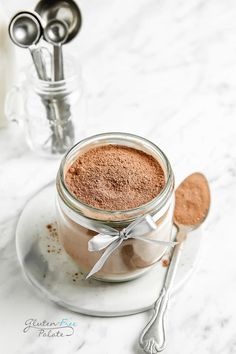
[{"x": 57, "y": 276}]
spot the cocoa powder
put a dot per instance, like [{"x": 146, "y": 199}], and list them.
[
  {"x": 192, "y": 200},
  {"x": 115, "y": 177}
]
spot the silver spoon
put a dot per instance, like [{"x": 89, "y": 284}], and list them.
[
  {"x": 63, "y": 10},
  {"x": 153, "y": 338},
  {"x": 69, "y": 12},
  {"x": 56, "y": 33},
  {"x": 25, "y": 31}
]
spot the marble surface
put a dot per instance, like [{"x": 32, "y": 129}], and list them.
[{"x": 165, "y": 70}]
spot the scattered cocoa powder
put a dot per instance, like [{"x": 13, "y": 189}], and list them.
[
  {"x": 192, "y": 200},
  {"x": 115, "y": 177},
  {"x": 49, "y": 227},
  {"x": 52, "y": 228},
  {"x": 76, "y": 276},
  {"x": 165, "y": 262},
  {"x": 54, "y": 246}
]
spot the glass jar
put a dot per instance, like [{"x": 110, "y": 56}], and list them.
[
  {"x": 133, "y": 257},
  {"x": 50, "y": 112}
]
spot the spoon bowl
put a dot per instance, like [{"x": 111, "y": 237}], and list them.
[
  {"x": 62, "y": 10},
  {"x": 25, "y": 29},
  {"x": 192, "y": 204},
  {"x": 56, "y": 32}
]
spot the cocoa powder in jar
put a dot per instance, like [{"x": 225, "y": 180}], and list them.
[{"x": 115, "y": 177}]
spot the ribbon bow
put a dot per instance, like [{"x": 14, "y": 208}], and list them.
[{"x": 113, "y": 238}]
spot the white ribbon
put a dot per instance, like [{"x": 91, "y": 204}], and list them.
[{"x": 113, "y": 238}]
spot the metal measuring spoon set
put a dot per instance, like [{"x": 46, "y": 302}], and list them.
[{"x": 57, "y": 23}]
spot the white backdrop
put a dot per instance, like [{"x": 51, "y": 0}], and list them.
[{"x": 165, "y": 70}]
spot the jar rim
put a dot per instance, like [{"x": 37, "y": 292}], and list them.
[
  {"x": 77, "y": 204},
  {"x": 50, "y": 86}
]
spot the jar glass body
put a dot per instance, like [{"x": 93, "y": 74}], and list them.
[
  {"x": 51, "y": 113},
  {"x": 133, "y": 257}
]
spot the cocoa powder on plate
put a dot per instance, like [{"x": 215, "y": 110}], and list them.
[{"x": 115, "y": 177}]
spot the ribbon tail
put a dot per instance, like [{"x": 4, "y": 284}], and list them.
[
  {"x": 99, "y": 264},
  {"x": 165, "y": 243}
]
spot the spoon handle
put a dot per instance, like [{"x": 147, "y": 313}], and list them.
[
  {"x": 39, "y": 63},
  {"x": 153, "y": 338},
  {"x": 58, "y": 70}
]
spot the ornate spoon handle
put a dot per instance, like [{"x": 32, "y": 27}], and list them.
[{"x": 152, "y": 338}]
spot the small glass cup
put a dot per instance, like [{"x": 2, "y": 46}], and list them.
[
  {"x": 133, "y": 257},
  {"x": 52, "y": 113}
]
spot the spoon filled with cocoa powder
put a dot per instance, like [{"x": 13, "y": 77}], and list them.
[{"x": 192, "y": 203}]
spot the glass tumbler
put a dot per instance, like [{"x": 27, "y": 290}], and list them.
[{"x": 50, "y": 112}]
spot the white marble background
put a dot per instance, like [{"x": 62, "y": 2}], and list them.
[{"x": 166, "y": 70}]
